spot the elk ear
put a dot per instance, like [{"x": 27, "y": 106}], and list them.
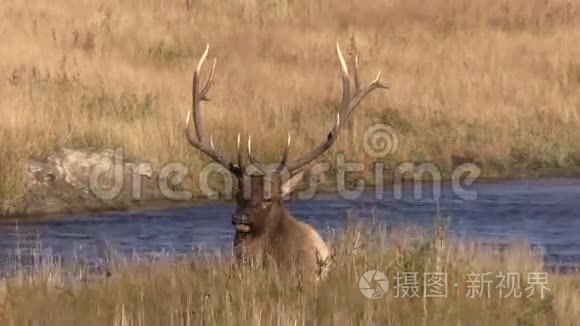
[{"x": 291, "y": 183}]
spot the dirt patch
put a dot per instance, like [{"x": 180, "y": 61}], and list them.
[{"x": 80, "y": 181}]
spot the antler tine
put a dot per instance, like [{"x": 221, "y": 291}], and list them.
[
  {"x": 187, "y": 119},
  {"x": 250, "y": 148},
  {"x": 343, "y": 67},
  {"x": 285, "y": 155},
  {"x": 356, "y": 80},
  {"x": 240, "y": 160},
  {"x": 209, "y": 82},
  {"x": 254, "y": 162},
  {"x": 362, "y": 93},
  {"x": 378, "y": 77},
  {"x": 348, "y": 104},
  {"x": 197, "y": 96},
  {"x": 345, "y": 85},
  {"x": 202, "y": 59}
]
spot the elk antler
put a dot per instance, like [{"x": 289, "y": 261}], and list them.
[
  {"x": 199, "y": 141},
  {"x": 348, "y": 104}
]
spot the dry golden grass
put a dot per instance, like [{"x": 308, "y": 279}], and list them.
[
  {"x": 209, "y": 290},
  {"x": 495, "y": 82}
]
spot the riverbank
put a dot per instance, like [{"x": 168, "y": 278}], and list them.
[
  {"x": 65, "y": 184},
  {"x": 472, "y": 82},
  {"x": 206, "y": 288}
]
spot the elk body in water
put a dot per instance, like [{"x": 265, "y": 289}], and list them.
[
  {"x": 268, "y": 233},
  {"x": 265, "y": 229}
]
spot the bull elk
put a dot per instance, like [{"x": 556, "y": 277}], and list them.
[{"x": 265, "y": 229}]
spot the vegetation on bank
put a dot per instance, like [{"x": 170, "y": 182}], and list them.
[
  {"x": 490, "y": 82},
  {"x": 207, "y": 289}
]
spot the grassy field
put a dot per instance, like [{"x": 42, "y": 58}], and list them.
[
  {"x": 491, "y": 82},
  {"x": 209, "y": 290}
]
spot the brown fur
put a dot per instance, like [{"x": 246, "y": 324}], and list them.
[
  {"x": 275, "y": 236},
  {"x": 265, "y": 230}
]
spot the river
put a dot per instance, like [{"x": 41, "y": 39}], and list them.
[{"x": 545, "y": 212}]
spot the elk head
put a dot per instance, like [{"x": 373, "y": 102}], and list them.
[{"x": 262, "y": 191}]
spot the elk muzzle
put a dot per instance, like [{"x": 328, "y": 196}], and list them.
[{"x": 241, "y": 222}]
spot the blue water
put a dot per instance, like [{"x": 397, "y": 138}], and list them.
[{"x": 545, "y": 212}]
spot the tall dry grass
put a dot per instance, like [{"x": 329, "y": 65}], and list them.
[
  {"x": 494, "y": 82},
  {"x": 209, "y": 290}
]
